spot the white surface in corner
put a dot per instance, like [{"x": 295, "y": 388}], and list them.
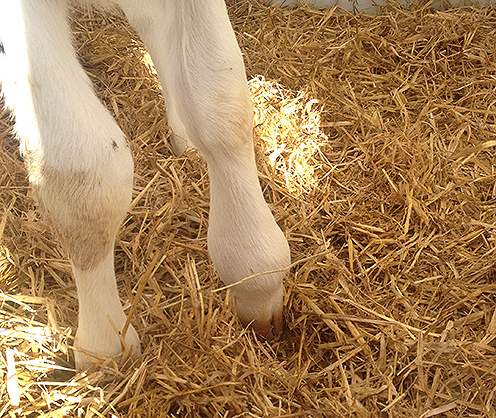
[{"x": 368, "y": 6}]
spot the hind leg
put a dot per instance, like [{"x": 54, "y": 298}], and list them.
[
  {"x": 199, "y": 63},
  {"x": 79, "y": 163}
]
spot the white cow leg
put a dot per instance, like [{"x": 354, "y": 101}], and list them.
[
  {"x": 201, "y": 70},
  {"x": 79, "y": 163}
]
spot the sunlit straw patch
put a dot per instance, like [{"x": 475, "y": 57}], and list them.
[{"x": 288, "y": 126}]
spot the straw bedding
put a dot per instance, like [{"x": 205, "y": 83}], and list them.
[{"x": 375, "y": 141}]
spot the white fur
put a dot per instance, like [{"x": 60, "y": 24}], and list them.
[{"x": 81, "y": 169}]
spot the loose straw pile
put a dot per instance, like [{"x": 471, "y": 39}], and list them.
[{"x": 375, "y": 139}]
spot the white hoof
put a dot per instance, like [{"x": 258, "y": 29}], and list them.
[
  {"x": 259, "y": 304},
  {"x": 94, "y": 346}
]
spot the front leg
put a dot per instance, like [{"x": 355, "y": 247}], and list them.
[
  {"x": 80, "y": 166},
  {"x": 201, "y": 69},
  {"x": 244, "y": 240}
]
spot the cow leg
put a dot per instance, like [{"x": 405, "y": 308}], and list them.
[
  {"x": 79, "y": 163},
  {"x": 200, "y": 66}
]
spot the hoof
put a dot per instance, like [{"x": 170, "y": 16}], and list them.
[
  {"x": 268, "y": 330},
  {"x": 91, "y": 348}
]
